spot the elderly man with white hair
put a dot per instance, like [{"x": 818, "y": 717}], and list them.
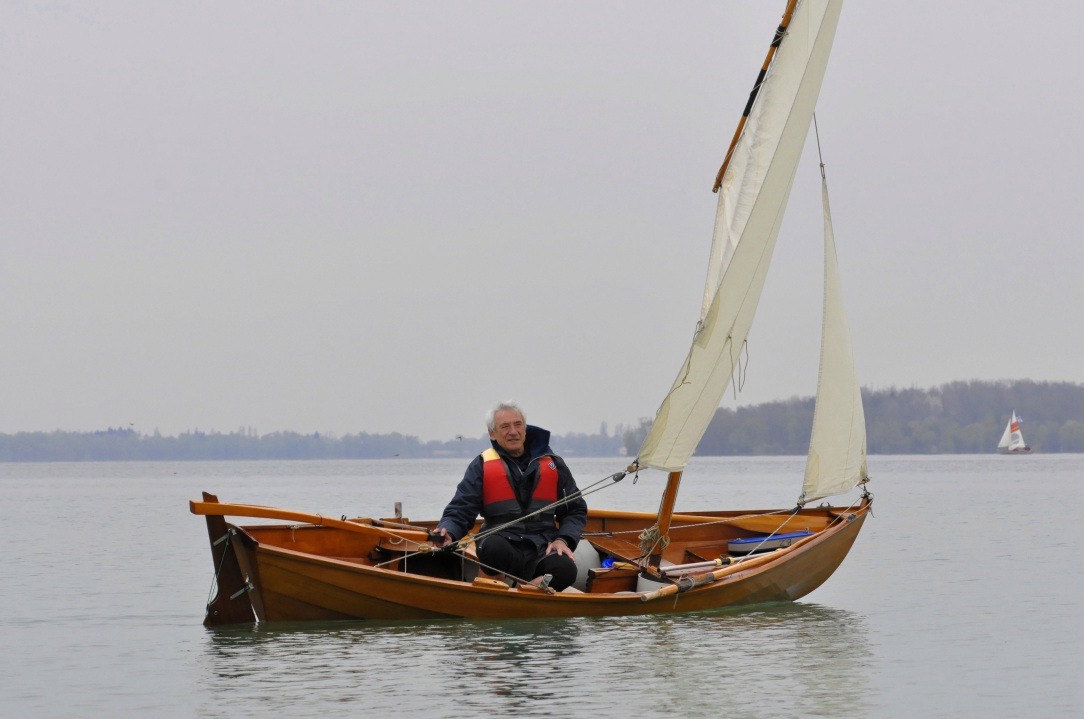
[{"x": 517, "y": 484}]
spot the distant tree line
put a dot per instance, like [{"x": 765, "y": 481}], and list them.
[
  {"x": 118, "y": 444},
  {"x": 956, "y": 418},
  {"x": 127, "y": 444}
]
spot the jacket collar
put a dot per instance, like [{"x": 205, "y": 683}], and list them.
[{"x": 537, "y": 444}]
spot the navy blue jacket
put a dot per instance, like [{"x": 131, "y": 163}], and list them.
[{"x": 461, "y": 513}]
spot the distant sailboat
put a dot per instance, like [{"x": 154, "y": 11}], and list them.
[{"x": 1012, "y": 441}]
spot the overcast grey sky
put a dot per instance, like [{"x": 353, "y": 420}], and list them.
[{"x": 360, "y": 216}]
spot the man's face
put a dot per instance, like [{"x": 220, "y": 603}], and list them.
[{"x": 510, "y": 431}]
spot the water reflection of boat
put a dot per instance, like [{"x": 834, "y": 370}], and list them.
[
  {"x": 573, "y": 666},
  {"x": 633, "y": 562}
]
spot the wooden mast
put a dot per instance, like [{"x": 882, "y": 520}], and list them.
[
  {"x": 779, "y": 33},
  {"x": 669, "y": 496},
  {"x": 666, "y": 513}
]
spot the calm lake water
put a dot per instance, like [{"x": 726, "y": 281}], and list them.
[{"x": 962, "y": 597}]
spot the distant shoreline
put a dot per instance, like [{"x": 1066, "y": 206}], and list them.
[{"x": 956, "y": 418}]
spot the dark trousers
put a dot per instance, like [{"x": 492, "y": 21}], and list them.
[{"x": 524, "y": 560}]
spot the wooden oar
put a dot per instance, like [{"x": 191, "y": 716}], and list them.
[{"x": 289, "y": 515}]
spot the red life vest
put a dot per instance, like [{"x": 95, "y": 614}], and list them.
[{"x": 499, "y": 503}]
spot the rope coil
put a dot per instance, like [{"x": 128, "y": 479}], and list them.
[{"x": 650, "y": 539}]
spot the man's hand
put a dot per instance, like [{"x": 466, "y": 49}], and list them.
[
  {"x": 558, "y": 546},
  {"x": 440, "y": 538}
]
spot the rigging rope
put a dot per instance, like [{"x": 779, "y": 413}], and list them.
[
  {"x": 460, "y": 544},
  {"x": 459, "y": 553},
  {"x": 218, "y": 570},
  {"x": 650, "y": 540},
  {"x": 590, "y": 489},
  {"x": 738, "y": 381},
  {"x": 728, "y": 520}
]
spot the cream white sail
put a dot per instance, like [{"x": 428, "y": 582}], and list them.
[
  {"x": 1006, "y": 436},
  {"x": 837, "y": 445},
  {"x": 1013, "y": 438},
  {"x": 752, "y": 199}
]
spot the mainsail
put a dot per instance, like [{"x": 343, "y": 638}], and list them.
[
  {"x": 1013, "y": 438},
  {"x": 752, "y": 197}
]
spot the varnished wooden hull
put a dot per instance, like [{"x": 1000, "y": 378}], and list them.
[{"x": 306, "y": 572}]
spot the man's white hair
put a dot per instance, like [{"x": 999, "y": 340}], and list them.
[{"x": 491, "y": 416}]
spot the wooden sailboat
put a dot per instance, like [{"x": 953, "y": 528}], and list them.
[
  {"x": 317, "y": 567},
  {"x": 1012, "y": 440}
]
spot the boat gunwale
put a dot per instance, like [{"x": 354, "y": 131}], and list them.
[{"x": 746, "y": 567}]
